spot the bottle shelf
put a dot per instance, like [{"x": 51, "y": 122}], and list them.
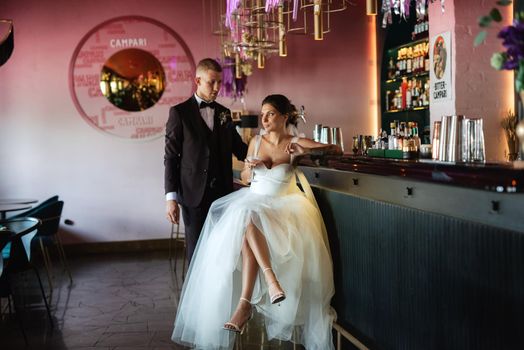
[
  {"x": 408, "y": 76},
  {"x": 423, "y": 39},
  {"x": 393, "y": 111}
]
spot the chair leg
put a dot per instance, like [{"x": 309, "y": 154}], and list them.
[
  {"x": 61, "y": 253},
  {"x": 9, "y": 304},
  {"x": 44, "y": 297},
  {"x": 47, "y": 264},
  {"x": 17, "y": 311}
]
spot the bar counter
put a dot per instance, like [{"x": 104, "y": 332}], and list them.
[
  {"x": 426, "y": 255},
  {"x": 498, "y": 177}
]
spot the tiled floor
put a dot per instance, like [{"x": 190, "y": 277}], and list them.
[{"x": 119, "y": 301}]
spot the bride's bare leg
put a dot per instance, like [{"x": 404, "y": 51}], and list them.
[
  {"x": 257, "y": 243},
  {"x": 249, "y": 270},
  {"x": 249, "y": 274}
]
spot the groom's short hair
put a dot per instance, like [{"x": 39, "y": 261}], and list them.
[{"x": 208, "y": 64}]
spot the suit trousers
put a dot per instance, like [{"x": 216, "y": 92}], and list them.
[{"x": 195, "y": 217}]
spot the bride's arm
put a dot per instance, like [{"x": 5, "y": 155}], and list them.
[
  {"x": 305, "y": 147},
  {"x": 245, "y": 174}
]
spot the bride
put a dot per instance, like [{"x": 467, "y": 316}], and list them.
[{"x": 265, "y": 247}]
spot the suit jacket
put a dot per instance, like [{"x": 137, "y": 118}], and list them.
[{"x": 187, "y": 151}]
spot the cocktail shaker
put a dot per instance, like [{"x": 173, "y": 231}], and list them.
[
  {"x": 326, "y": 135},
  {"x": 473, "y": 140},
  {"x": 461, "y": 139},
  {"x": 336, "y": 137},
  {"x": 443, "y": 150},
  {"x": 317, "y": 131},
  {"x": 435, "y": 143}
]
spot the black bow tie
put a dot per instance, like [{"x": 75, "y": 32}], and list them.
[{"x": 204, "y": 104}]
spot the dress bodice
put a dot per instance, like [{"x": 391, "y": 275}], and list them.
[{"x": 275, "y": 181}]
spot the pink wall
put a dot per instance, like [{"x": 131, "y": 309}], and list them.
[
  {"x": 331, "y": 78},
  {"x": 479, "y": 90},
  {"x": 113, "y": 188}
]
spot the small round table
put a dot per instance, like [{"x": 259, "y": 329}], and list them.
[
  {"x": 4, "y": 208},
  {"x": 17, "y": 201}
]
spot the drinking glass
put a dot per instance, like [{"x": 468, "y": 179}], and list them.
[{"x": 251, "y": 159}]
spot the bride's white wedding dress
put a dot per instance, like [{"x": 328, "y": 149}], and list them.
[{"x": 295, "y": 233}]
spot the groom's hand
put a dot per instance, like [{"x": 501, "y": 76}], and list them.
[{"x": 172, "y": 211}]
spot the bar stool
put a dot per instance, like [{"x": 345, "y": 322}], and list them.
[{"x": 176, "y": 241}]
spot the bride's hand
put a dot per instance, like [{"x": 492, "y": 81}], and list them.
[
  {"x": 296, "y": 150},
  {"x": 251, "y": 162}
]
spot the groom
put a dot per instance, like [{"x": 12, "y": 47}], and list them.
[{"x": 200, "y": 139}]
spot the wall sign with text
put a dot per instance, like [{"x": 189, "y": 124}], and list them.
[
  {"x": 126, "y": 73},
  {"x": 440, "y": 70}
]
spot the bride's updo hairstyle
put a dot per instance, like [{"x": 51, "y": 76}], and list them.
[{"x": 282, "y": 104}]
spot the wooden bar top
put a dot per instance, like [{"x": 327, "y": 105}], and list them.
[{"x": 497, "y": 177}]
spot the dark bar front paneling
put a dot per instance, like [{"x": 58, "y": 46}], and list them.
[{"x": 416, "y": 279}]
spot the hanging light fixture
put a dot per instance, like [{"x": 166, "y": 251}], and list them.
[
  {"x": 253, "y": 30},
  {"x": 301, "y": 13},
  {"x": 371, "y": 7},
  {"x": 282, "y": 43},
  {"x": 317, "y": 14}
]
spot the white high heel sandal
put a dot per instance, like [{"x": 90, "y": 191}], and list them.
[
  {"x": 278, "y": 296},
  {"x": 233, "y": 327}
]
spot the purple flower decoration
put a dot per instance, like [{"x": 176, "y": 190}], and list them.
[
  {"x": 513, "y": 40},
  {"x": 513, "y": 58}
]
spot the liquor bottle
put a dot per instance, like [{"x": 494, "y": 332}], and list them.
[
  {"x": 426, "y": 93},
  {"x": 400, "y": 135},
  {"x": 392, "y": 139},
  {"x": 404, "y": 88},
  {"x": 408, "y": 95},
  {"x": 416, "y": 137},
  {"x": 414, "y": 93},
  {"x": 391, "y": 69},
  {"x": 384, "y": 139}
]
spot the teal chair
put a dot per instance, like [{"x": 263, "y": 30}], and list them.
[
  {"x": 16, "y": 258},
  {"x": 5, "y": 248},
  {"x": 49, "y": 212},
  {"x": 26, "y": 213}
]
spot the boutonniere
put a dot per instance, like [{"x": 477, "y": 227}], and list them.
[{"x": 224, "y": 117}]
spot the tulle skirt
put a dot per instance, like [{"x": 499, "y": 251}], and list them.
[{"x": 300, "y": 258}]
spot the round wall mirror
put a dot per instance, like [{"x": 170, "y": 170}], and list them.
[
  {"x": 132, "y": 80},
  {"x": 6, "y": 40},
  {"x": 126, "y": 73}
]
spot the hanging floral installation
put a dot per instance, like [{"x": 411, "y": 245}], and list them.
[
  {"x": 402, "y": 8},
  {"x": 233, "y": 86}
]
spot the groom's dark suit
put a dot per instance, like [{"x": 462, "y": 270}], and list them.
[{"x": 198, "y": 164}]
